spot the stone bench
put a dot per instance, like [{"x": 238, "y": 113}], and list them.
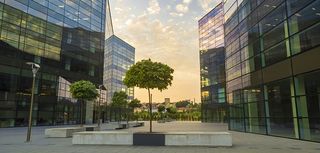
[
  {"x": 62, "y": 132},
  {"x": 215, "y": 139},
  {"x": 103, "y": 138}
]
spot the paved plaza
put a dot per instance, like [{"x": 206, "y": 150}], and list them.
[{"x": 12, "y": 141}]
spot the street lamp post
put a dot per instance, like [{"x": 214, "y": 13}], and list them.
[{"x": 35, "y": 67}]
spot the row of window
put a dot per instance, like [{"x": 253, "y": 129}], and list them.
[{"x": 272, "y": 44}]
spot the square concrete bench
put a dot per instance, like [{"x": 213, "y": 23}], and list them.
[
  {"x": 103, "y": 138},
  {"x": 62, "y": 132},
  {"x": 215, "y": 139}
]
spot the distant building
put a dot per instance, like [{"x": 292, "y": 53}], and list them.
[
  {"x": 119, "y": 56},
  {"x": 212, "y": 66},
  {"x": 166, "y": 100}
]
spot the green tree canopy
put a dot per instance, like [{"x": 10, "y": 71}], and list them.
[
  {"x": 182, "y": 104},
  {"x": 119, "y": 99},
  {"x": 149, "y": 75},
  {"x": 161, "y": 108},
  {"x": 84, "y": 90},
  {"x": 171, "y": 110},
  {"x": 135, "y": 103}
]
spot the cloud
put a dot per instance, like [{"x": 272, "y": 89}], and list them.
[
  {"x": 129, "y": 21},
  {"x": 166, "y": 43},
  {"x": 207, "y": 5},
  {"x": 154, "y": 7},
  {"x": 175, "y": 14},
  {"x": 187, "y": 1},
  {"x": 181, "y": 8}
]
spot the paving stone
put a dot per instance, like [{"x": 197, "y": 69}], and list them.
[{"x": 12, "y": 141}]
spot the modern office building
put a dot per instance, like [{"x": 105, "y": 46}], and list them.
[
  {"x": 212, "y": 66},
  {"x": 66, "y": 38},
  {"x": 119, "y": 57},
  {"x": 273, "y": 67}
]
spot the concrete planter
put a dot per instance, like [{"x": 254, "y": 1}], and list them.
[
  {"x": 62, "y": 132},
  {"x": 103, "y": 138},
  {"x": 215, "y": 139}
]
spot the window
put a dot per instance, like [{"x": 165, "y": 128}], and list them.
[
  {"x": 275, "y": 35},
  {"x": 273, "y": 19},
  {"x": 306, "y": 40},
  {"x": 277, "y": 53},
  {"x": 305, "y": 18}
]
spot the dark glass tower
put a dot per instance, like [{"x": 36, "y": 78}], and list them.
[
  {"x": 212, "y": 66},
  {"x": 66, "y": 38},
  {"x": 273, "y": 67}
]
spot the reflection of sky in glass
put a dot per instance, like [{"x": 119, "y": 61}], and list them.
[{"x": 211, "y": 29}]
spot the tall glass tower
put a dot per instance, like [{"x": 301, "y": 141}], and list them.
[
  {"x": 119, "y": 57},
  {"x": 66, "y": 38},
  {"x": 212, "y": 66},
  {"x": 273, "y": 67}
]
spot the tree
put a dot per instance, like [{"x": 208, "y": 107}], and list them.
[
  {"x": 135, "y": 103},
  {"x": 182, "y": 104},
  {"x": 171, "y": 110},
  {"x": 120, "y": 100},
  {"x": 149, "y": 75},
  {"x": 161, "y": 108},
  {"x": 83, "y": 91}
]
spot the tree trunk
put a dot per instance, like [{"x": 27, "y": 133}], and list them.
[
  {"x": 150, "y": 110},
  {"x": 81, "y": 113}
]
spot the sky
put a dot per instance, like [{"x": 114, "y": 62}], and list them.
[{"x": 165, "y": 31}]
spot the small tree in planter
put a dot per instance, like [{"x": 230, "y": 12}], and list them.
[
  {"x": 83, "y": 91},
  {"x": 135, "y": 103},
  {"x": 149, "y": 75},
  {"x": 120, "y": 100}
]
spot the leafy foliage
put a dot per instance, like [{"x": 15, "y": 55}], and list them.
[
  {"x": 171, "y": 110},
  {"x": 182, "y": 104},
  {"x": 84, "y": 90},
  {"x": 149, "y": 75},
  {"x": 161, "y": 108},
  {"x": 135, "y": 103},
  {"x": 119, "y": 99}
]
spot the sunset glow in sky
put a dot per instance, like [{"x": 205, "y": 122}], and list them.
[{"x": 165, "y": 31}]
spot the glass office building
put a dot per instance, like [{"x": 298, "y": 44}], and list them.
[
  {"x": 66, "y": 38},
  {"x": 273, "y": 67},
  {"x": 119, "y": 57},
  {"x": 212, "y": 66}
]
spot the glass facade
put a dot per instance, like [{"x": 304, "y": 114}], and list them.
[
  {"x": 119, "y": 57},
  {"x": 212, "y": 66},
  {"x": 66, "y": 38},
  {"x": 273, "y": 67}
]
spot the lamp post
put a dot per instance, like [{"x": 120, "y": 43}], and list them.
[
  {"x": 101, "y": 87},
  {"x": 35, "y": 67}
]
